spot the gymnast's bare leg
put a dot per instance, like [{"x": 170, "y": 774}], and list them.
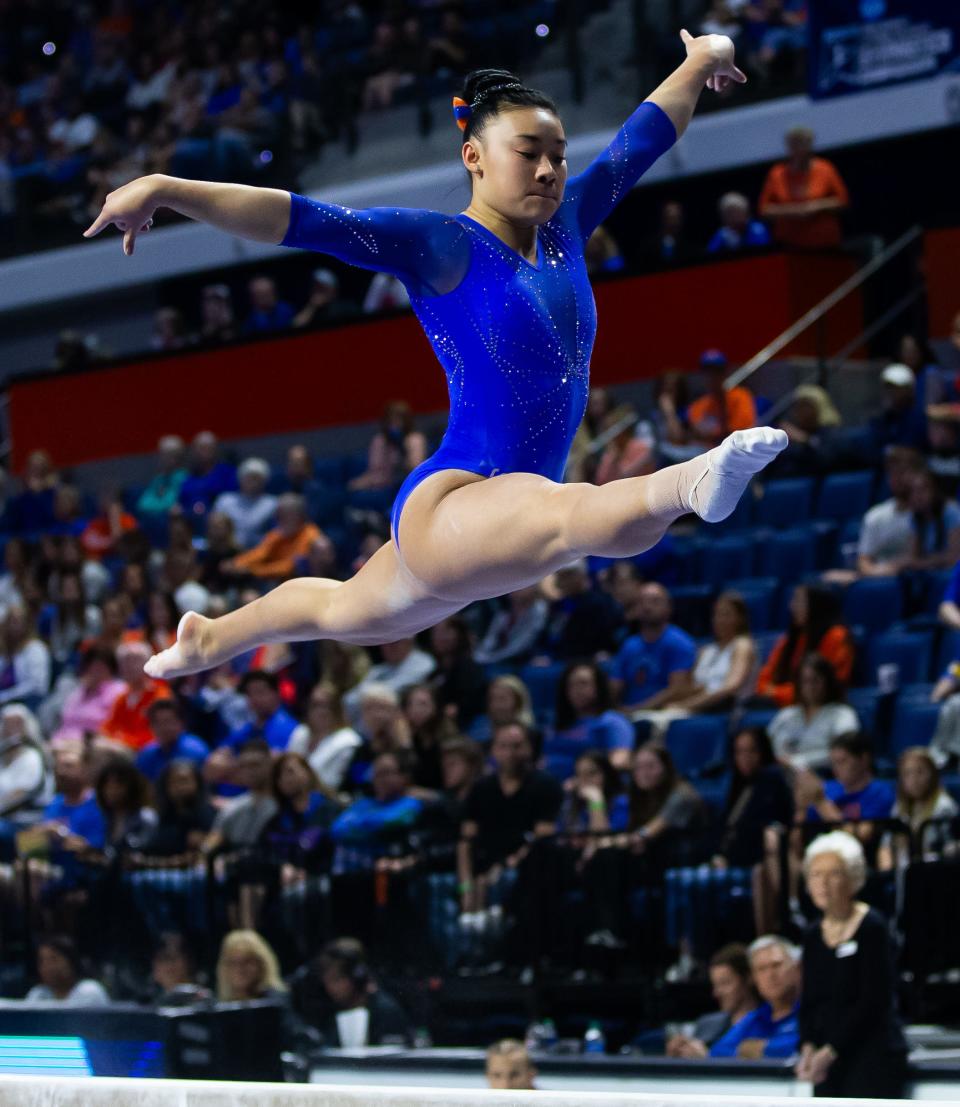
[{"x": 465, "y": 537}]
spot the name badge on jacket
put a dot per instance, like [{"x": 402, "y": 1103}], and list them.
[{"x": 846, "y": 949}]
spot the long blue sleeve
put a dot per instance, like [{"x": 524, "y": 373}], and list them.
[
  {"x": 427, "y": 250},
  {"x": 596, "y": 191}
]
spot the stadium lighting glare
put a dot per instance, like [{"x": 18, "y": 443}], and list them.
[
  {"x": 49, "y": 48},
  {"x": 542, "y": 30},
  {"x": 266, "y": 156}
]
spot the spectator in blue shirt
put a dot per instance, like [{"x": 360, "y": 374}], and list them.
[
  {"x": 585, "y": 720},
  {"x": 653, "y": 666},
  {"x": 208, "y": 476},
  {"x": 737, "y": 229},
  {"x": 368, "y": 827},
  {"x": 73, "y": 819},
  {"x": 267, "y": 311},
  {"x": 271, "y": 721},
  {"x": 899, "y": 422},
  {"x": 170, "y": 742},
  {"x": 854, "y": 792},
  {"x": 773, "y": 1029}
]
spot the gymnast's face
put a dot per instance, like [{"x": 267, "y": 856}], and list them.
[{"x": 519, "y": 164}]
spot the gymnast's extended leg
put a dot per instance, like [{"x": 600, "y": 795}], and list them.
[
  {"x": 493, "y": 536},
  {"x": 466, "y": 538},
  {"x": 380, "y": 603}
]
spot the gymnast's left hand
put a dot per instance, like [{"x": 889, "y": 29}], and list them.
[{"x": 719, "y": 51}]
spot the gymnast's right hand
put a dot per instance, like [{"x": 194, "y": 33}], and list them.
[{"x": 131, "y": 208}]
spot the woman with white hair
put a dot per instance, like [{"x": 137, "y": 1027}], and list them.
[{"x": 852, "y": 1040}]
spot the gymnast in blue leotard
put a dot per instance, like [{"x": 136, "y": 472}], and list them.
[
  {"x": 501, "y": 291},
  {"x": 514, "y": 337}
]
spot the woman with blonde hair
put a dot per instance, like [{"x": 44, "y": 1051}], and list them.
[
  {"x": 247, "y": 969},
  {"x": 920, "y": 798},
  {"x": 508, "y": 701}
]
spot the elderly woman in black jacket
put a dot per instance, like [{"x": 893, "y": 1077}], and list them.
[{"x": 852, "y": 1039}]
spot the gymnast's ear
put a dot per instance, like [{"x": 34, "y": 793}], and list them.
[{"x": 472, "y": 154}]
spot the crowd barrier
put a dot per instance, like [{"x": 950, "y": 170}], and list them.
[{"x": 61, "y": 1092}]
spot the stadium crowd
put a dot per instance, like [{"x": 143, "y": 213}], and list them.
[
  {"x": 651, "y": 742},
  {"x": 95, "y": 95}
]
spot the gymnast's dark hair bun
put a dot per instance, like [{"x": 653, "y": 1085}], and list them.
[{"x": 487, "y": 91}]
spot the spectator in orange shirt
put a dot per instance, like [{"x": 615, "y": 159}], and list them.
[
  {"x": 721, "y": 410},
  {"x": 275, "y": 556},
  {"x": 101, "y": 533},
  {"x": 815, "y": 627},
  {"x": 803, "y": 195},
  {"x": 128, "y": 722}
]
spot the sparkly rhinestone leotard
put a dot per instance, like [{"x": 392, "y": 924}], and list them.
[{"x": 514, "y": 338}]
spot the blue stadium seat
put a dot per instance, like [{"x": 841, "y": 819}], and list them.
[
  {"x": 760, "y": 595},
  {"x": 913, "y": 724},
  {"x": 697, "y": 744},
  {"x": 759, "y": 717},
  {"x": 785, "y": 503},
  {"x": 691, "y": 608},
  {"x": 330, "y": 470},
  {"x": 714, "y": 793},
  {"x": 864, "y": 702},
  {"x": 873, "y": 603},
  {"x": 354, "y": 464},
  {"x": 721, "y": 559},
  {"x": 542, "y": 681},
  {"x": 936, "y": 589},
  {"x": 949, "y": 651},
  {"x": 911, "y": 653},
  {"x": 372, "y": 499},
  {"x": 788, "y": 555},
  {"x": 845, "y": 495}
]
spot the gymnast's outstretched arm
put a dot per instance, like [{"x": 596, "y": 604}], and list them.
[
  {"x": 650, "y": 131},
  {"x": 425, "y": 249}
]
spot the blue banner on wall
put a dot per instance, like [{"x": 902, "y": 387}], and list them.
[{"x": 855, "y": 45}]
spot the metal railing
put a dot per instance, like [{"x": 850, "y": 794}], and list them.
[{"x": 817, "y": 313}]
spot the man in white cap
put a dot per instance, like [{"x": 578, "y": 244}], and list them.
[
  {"x": 900, "y": 422},
  {"x": 252, "y": 508}
]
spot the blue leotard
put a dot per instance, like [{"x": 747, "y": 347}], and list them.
[{"x": 514, "y": 338}]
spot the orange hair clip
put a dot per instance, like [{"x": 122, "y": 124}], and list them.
[{"x": 461, "y": 112}]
